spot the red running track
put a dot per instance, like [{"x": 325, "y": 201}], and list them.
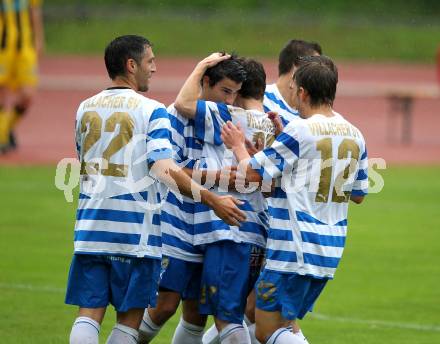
[{"x": 46, "y": 134}]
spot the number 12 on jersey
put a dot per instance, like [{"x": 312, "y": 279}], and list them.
[{"x": 327, "y": 165}]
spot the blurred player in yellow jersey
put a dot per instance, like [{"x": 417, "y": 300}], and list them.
[{"x": 21, "y": 41}]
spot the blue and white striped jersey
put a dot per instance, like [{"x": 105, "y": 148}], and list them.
[
  {"x": 210, "y": 118},
  {"x": 318, "y": 162},
  {"x": 177, "y": 215},
  {"x": 274, "y": 101},
  {"x": 119, "y": 133}
]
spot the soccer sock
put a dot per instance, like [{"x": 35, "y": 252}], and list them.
[
  {"x": 234, "y": 334},
  {"x": 123, "y": 334},
  {"x": 84, "y": 331},
  {"x": 284, "y": 336},
  {"x": 148, "y": 329},
  {"x": 187, "y": 333},
  {"x": 251, "y": 329},
  {"x": 211, "y": 336}
]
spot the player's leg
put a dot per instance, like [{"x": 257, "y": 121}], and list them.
[
  {"x": 281, "y": 299},
  {"x": 154, "y": 318},
  {"x": 4, "y": 121},
  {"x": 256, "y": 263},
  {"x": 249, "y": 317},
  {"x": 192, "y": 323},
  {"x": 175, "y": 276},
  {"x": 23, "y": 101},
  {"x": 25, "y": 84},
  {"x": 126, "y": 328},
  {"x": 8, "y": 64},
  {"x": 88, "y": 288},
  {"x": 5, "y": 69},
  {"x": 225, "y": 281},
  {"x": 272, "y": 328},
  {"x": 87, "y": 325},
  {"x": 133, "y": 283}
]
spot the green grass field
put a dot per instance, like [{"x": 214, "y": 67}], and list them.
[
  {"x": 250, "y": 33},
  {"x": 386, "y": 289}
]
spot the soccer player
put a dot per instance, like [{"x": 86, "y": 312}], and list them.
[
  {"x": 250, "y": 97},
  {"x": 279, "y": 97},
  {"x": 321, "y": 162},
  {"x": 122, "y": 139},
  {"x": 227, "y": 249},
  {"x": 22, "y": 42},
  {"x": 182, "y": 260}
]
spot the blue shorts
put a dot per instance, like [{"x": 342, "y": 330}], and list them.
[
  {"x": 182, "y": 277},
  {"x": 126, "y": 283},
  {"x": 226, "y": 280},
  {"x": 292, "y": 295}
]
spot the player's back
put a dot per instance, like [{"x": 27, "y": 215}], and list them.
[
  {"x": 118, "y": 134},
  {"x": 332, "y": 149},
  {"x": 324, "y": 161},
  {"x": 274, "y": 101}
]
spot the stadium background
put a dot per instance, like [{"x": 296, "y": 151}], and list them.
[{"x": 386, "y": 289}]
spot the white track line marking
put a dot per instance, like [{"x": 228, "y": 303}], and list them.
[
  {"x": 31, "y": 287},
  {"x": 377, "y": 323}
]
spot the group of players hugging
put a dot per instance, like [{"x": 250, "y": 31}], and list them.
[{"x": 231, "y": 202}]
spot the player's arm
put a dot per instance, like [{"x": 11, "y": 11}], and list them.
[
  {"x": 172, "y": 175},
  {"x": 360, "y": 185},
  {"x": 267, "y": 165},
  {"x": 213, "y": 177},
  {"x": 186, "y": 101},
  {"x": 36, "y": 17}
]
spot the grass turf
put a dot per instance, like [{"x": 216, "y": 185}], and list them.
[
  {"x": 386, "y": 288},
  {"x": 249, "y": 34}
]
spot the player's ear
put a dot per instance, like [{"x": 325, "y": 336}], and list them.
[
  {"x": 302, "y": 93},
  {"x": 205, "y": 81},
  {"x": 130, "y": 65}
]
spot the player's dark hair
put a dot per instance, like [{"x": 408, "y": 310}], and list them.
[
  {"x": 322, "y": 59},
  {"x": 120, "y": 50},
  {"x": 230, "y": 68},
  {"x": 293, "y": 50},
  {"x": 255, "y": 83},
  {"x": 318, "y": 76}
]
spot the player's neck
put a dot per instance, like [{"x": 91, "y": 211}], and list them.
[
  {"x": 283, "y": 85},
  {"x": 249, "y": 104},
  {"x": 122, "y": 81},
  {"x": 308, "y": 111}
]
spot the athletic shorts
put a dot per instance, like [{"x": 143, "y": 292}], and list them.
[
  {"x": 99, "y": 280},
  {"x": 292, "y": 295},
  {"x": 226, "y": 280},
  {"x": 181, "y": 276},
  {"x": 18, "y": 68}
]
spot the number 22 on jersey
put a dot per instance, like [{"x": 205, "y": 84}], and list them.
[{"x": 91, "y": 125}]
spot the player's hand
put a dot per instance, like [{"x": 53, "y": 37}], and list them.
[
  {"x": 253, "y": 148},
  {"x": 225, "y": 207},
  {"x": 276, "y": 120},
  {"x": 212, "y": 60},
  {"x": 232, "y": 136}
]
